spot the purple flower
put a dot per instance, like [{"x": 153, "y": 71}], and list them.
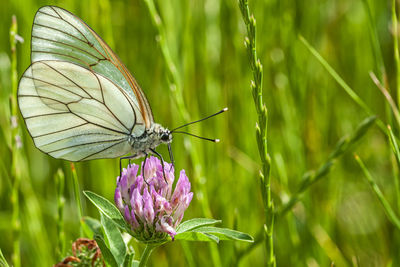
[{"x": 150, "y": 206}]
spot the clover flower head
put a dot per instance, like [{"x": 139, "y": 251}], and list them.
[{"x": 147, "y": 200}]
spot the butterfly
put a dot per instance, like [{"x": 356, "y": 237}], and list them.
[{"x": 78, "y": 99}]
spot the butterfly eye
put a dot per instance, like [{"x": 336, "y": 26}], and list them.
[{"x": 165, "y": 137}]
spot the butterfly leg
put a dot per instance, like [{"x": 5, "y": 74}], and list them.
[
  {"x": 162, "y": 162},
  {"x": 171, "y": 156},
  {"x": 120, "y": 163},
  {"x": 144, "y": 164}
]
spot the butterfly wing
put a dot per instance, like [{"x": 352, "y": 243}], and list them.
[
  {"x": 59, "y": 35},
  {"x": 76, "y": 114}
]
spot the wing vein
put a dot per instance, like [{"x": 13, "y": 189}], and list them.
[
  {"x": 61, "y": 31},
  {"x": 66, "y": 77},
  {"x": 84, "y": 134},
  {"x": 70, "y": 24},
  {"x": 48, "y": 114},
  {"x": 60, "y": 131},
  {"x": 101, "y": 150},
  {"x": 59, "y": 42},
  {"x": 83, "y": 144},
  {"x": 64, "y": 55},
  {"x": 55, "y": 85}
]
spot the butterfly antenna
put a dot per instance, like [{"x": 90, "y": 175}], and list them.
[
  {"x": 201, "y": 137},
  {"x": 215, "y": 114}
]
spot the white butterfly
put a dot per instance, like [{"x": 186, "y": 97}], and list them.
[{"x": 78, "y": 99}]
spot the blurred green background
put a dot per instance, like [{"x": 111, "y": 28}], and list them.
[{"x": 339, "y": 219}]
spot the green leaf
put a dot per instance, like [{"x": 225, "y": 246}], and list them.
[
  {"x": 115, "y": 241},
  {"x": 197, "y": 236},
  {"x": 91, "y": 226},
  {"x": 107, "y": 208},
  {"x": 195, "y": 223},
  {"x": 225, "y": 233},
  {"x": 107, "y": 255}
]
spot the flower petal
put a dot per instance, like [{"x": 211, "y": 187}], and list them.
[
  {"x": 118, "y": 199},
  {"x": 137, "y": 203},
  {"x": 165, "y": 225},
  {"x": 148, "y": 210}
]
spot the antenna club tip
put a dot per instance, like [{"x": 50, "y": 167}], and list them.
[
  {"x": 217, "y": 140},
  {"x": 225, "y": 109}
]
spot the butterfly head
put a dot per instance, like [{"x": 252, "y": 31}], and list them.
[
  {"x": 163, "y": 134},
  {"x": 166, "y": 136}
]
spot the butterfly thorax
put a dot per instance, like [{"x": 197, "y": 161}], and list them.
[{"x": 150, "y": 139}]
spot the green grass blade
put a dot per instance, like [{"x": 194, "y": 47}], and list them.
[
  {"x": 340, "y": 81},
  {"x": 386, "y": 206},
  {"x": 396, "y": 49},
  {"x": 395, "y": 148},
  {"x": 376, "y": 48}
]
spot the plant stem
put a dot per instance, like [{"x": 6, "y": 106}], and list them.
[
  {"x": 77, "y": 197},
  {"x": 60, "y": 180},
  {"x": 146, "y": 254},
  {"x": 15, "y": 221},
  {"x": 261, "y": 129}
]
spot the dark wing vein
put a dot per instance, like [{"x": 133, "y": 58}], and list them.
[
  {"x": 84, "y": 144},
  {"x": 70, "y": 24},
  {"x": 70, "y": 45},
  {"x": 87, "y": 122},
  {"x": 102, "y": 150},
  {"x": 52, "y": 84},
  {"x": 60, "y": 131},
  {"x": 63, "y": 32},
  {"x": 104, "y": 102},
  {"x": 48, "y": 114},
  {"x": 84, "y": 134},
  {"x": 49, "y": 98},
  {"x": 64, "y": 55},
  {"x": 66, "y": 77}
]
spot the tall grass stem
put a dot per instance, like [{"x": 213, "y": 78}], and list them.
[
  {"x": 60, "y": 181},
  {"x": 261, "y": 129},
  {"x": 77, "y": 195},
  {"x": 16, "y": 221}
]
